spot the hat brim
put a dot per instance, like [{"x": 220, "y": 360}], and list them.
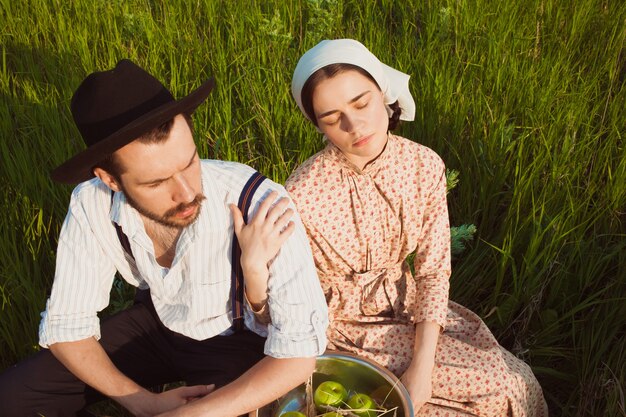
[{"x": 79, "y": 167}]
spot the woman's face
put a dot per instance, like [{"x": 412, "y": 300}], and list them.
[{"x": 351, "y": 112}]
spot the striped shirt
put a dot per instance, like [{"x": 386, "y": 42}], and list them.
[{"x": 192, "y": 297}]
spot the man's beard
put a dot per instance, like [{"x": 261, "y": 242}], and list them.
[{"x": 168, "y": 218}]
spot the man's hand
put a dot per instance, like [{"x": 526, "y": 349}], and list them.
[
  {"x": 163, "y": 402},
  {"x": 83, "y": 356},
  {"x": 266, "y": 381},
  {"x": 260, "y": 240}
]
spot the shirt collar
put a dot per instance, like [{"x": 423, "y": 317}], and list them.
[{"x": 124, "y": 215}]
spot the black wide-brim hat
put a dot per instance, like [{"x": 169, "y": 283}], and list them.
[{"x": 113, "y": 108}]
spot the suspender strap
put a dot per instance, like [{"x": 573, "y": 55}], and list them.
[
  {"x": 237, "y": 286},
  {"x": 237, "y": 279}
]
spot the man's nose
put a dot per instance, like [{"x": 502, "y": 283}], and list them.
[{"x": 183, "y": 191}]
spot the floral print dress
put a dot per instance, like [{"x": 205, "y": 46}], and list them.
[{"x": 362, "y": 226}]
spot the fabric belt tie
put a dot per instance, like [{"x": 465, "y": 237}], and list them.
[{"x": 378, "y": 291}]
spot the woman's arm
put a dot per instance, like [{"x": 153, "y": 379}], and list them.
[
  {"x": 418, "y": 377},
  {"x": 432, "y": 257},
  {"x": 432, "y": 272}
]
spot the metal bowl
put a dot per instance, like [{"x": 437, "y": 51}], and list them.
[{"x": 357, "y": 375}]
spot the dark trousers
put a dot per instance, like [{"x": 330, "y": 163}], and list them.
[{"x": 143, "y": 349}]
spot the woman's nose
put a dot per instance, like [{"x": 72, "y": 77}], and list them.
[{"x": 351, "y": 122}]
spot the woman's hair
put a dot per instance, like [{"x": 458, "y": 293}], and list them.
[
  {"x": 329, "y": 71},
  {"x": 158, "y": 134}
]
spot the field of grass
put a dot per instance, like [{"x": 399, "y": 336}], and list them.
[{"x": 525, "y": 98}]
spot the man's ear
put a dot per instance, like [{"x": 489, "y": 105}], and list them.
[{"x": 108, "y": 179}]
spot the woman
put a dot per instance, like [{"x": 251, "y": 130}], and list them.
[{"x": 368, "y": 200}]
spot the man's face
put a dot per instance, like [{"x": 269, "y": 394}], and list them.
[{"x": 162, "y": 181}]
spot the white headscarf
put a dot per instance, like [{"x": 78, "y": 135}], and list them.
[{"x": 393, "y": 83}]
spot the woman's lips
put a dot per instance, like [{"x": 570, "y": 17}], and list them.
[{"x": 363, "y": 140}]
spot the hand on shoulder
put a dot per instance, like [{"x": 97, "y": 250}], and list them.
[{"x": 260, "y": 241}]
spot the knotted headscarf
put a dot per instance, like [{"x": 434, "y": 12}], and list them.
[{"x": 393, "y": 83}]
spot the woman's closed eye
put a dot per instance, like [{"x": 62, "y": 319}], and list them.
[
  {"x": 330, "y": 119},
  {"x": 362, "y": 103},
  {"x": 333, "y": 119}
]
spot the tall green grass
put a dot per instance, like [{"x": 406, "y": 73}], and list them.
[{"x": 525, "y": 99}]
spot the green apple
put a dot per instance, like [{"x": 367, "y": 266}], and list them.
[
  {"x": 329, "y": 393},
  {"x": 292, "y": 414},
  {"x": 362, "y": 405}
]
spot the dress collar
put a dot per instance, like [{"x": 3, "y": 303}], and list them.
[{"x": 382, "y": 161}]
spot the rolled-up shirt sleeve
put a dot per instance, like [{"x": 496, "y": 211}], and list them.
[
  {"x": 297, "y": 306},
  {"x": 82, "y": 283}
]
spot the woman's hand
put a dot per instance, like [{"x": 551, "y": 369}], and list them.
[
  {"x": 260, "y": 240},
  {"x": 419, "y": 383}
]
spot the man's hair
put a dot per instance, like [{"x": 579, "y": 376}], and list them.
[{"x": 157, "y": 135}]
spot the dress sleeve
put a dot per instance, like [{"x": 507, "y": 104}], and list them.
[
  {"x": 432, "y": 257},
  {"x": 82, "y": 283}
]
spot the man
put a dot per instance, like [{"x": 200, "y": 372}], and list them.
[{"x": 164, "y": 219}]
